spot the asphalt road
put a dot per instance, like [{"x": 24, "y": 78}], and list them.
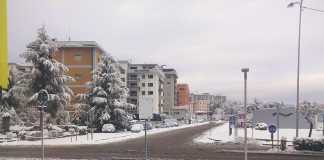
[{"x": 176, "y": 144}]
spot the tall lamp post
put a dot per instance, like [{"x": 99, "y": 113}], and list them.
[
  {"x": 42, "y": 100},
  {"x": 301, "y": 7},
  {"x": 245, "y": 70},
  {"x": 300, "y": 3}
]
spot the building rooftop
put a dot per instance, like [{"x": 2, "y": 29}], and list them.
[
  {"x": 80, "y": 44},
  {"x": 170, "y": 71}
]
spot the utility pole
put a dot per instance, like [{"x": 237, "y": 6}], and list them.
[{"x": 245, "y": 70}]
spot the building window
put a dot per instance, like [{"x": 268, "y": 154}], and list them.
[
  {"x": 143, "y": 84},
  {"x": 133, "y": 84},
  {"x": 150, "y": 84},
  {"x": 150, "y": 93},
  {"x": 133, "y": 93},
  {"x": 133, "y": 67},
  {"x": 122, "y": 71},
  {"x": 143, "y": 92},
  {"x": 143, "y": 76},
  {"x": 123, "y": 79},
  {"x": 150, "y": 76},
  {"x": 133, "y": 77},
  {"x": 77, "y": 56}
]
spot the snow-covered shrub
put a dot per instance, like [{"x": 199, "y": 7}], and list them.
[
  {"x": 137, "y": 127},
  {"x": 35, "y": 135},
  {"x": 308, "y": 144},
  {"x": 55, "y": 133},
  {"x": 148, "y": 126},
  {"x": 83, "y": 130},
  {"x": 108, "y": 128},
  {"x": 56, "y": 128},
  {"x": 11, "y": 135}
]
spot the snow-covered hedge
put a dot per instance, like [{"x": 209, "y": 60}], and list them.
[
  {"x": 137, "y": 127},
  {"x": 108, "y": 128},
  {"x": 308, "y": 144}
]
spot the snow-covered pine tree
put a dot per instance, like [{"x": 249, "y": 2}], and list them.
[
  {"x": 47, "y": 73},
  {"x": 105, "y": 98},
  {"x": 10, "y": 100}
]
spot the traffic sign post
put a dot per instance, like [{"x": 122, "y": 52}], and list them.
[
  {"x": 42, "y": 100},
  {"x": 272, "y": 129}
]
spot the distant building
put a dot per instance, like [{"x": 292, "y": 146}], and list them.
[
  {"x": 123, "y": 68},
  {"x": 169, "y": 90},
  {"x": 203, "y": 103},
  {"x": 182, "y": 94},
  {"x": 145, "y": 83}
]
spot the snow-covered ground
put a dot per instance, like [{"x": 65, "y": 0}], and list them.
[
  {"x": 221, "y": 134},
  {"x": 99, "y": 138}
]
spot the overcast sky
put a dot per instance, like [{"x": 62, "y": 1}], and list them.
[{"x": 206, "y": 41}]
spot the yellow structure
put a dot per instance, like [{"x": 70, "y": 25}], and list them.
[{"x": 3, "y": 45}]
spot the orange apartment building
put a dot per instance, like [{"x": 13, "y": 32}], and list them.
[
  {"x": 80, "y": 57},
  {"x": 182, "y": 94}
]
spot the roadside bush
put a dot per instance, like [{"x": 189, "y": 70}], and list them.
[{"x": 308, "y": 144}]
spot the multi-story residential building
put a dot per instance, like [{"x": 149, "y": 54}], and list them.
[
  {"x": 145, "y": 83},
  {"x": 182, "y": 94},
  {"x": 123, "y": 68},
  {"x": 81, "y": 58},
  {"x": 169, "y": 90},
  {"x": 202, "y": 103}
]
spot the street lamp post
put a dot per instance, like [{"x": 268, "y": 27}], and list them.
[
  {"x": 298, "y": 61},
  {"x": 42, "y": 100},
  {"x": 301, "y": 7},
  {"x": 245, "y": 70}
]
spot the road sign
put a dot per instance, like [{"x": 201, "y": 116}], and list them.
[
  {"x": 272, "y": 128},
  {"x": 42, "y": 97}
]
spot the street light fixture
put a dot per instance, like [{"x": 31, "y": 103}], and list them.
[{"x": 245, "y": 70}]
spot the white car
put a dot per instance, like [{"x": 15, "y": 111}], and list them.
[{"x": 261, "y": 126}]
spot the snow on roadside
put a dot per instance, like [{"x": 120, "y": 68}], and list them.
[
  {"x": 221, "y": 134},
  {"x": 99, "y": 138}
]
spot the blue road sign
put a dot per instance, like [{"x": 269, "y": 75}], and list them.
[{"x": 272, "y": 128}]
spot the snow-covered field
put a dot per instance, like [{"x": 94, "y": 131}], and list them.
[
  {"x": 99, "y": 138},
  {"x": 221, "y": 133}
]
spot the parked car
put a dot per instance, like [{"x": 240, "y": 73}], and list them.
[
  {"x": 171, "y": 123},
  {"x": 261, "y": 126}
]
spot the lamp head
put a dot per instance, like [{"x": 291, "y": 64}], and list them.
[
  {"x": 245, "y": 69},
  {"x": 292, "y": 4}
]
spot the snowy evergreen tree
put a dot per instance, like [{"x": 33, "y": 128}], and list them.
[
  {"x": 104, "y": 102},
  {"x": 47, "y": 73},
  {"x": 10, "y": 100}
]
